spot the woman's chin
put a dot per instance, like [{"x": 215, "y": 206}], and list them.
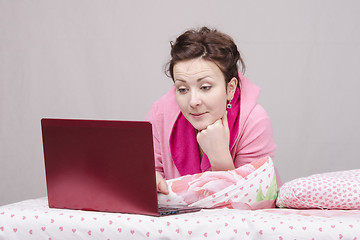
[
  {"x": 200, "y": 127},
  {"x": 202, "y": 124}
]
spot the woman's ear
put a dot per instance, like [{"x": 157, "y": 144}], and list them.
[{"x": 231, "y": 88}]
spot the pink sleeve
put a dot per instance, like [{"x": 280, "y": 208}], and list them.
[{"x": 154, "y": 117}]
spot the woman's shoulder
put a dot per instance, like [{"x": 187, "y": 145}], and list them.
[{"x": 253, "y": 117}]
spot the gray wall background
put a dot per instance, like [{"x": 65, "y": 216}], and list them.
[{"x": 105, "y": 59}]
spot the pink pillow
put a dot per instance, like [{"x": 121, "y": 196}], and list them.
[
  {"x": 334, "y": 190},
  {"x": 251, "y": 186}
]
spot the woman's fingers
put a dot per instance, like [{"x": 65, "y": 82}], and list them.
[
  {"x": 225, "y": 120},
  {"x": 161, "y": 184},
  {"x": 163, "y": 187}
]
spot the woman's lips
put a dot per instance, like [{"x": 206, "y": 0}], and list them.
[{"x": 197, "y": 115}]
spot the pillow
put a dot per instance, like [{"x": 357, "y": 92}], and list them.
[
  {"x": 242, "y": 188},
  {"x": 333, "y": 190}
]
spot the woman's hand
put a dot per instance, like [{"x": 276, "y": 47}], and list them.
[
  {"x": 161, "y": 184},
  {"x": 214, "y": 142}
]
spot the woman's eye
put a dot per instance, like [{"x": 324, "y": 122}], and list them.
[
  {"x": 206, "y": 88},
  {"x": 182, "y": 90}
]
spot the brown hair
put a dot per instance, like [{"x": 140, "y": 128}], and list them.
[{"x": 209, "y": 44}]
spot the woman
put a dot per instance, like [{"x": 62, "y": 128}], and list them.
[{"x": 210, "y": 119}]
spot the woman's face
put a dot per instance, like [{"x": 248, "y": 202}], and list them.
[{"x": 201, "y": 91}]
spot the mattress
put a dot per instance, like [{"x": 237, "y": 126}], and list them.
[{"x": 33, "y": 219}]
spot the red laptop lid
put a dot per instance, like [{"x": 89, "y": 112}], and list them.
[{"x": 100, "y": 165}]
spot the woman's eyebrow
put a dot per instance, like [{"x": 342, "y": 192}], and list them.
[
  {"x": 202, "y": 78},
  {"x": 180, "y": 80},
  {"x": 198, "y": 80}
]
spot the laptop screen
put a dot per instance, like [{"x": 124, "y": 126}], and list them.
[{"x": 100, "y": 165}]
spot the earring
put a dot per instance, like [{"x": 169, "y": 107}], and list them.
[{"x": 228, "y": 106}]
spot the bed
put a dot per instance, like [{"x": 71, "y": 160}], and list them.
[
  {"x": 321, "y": 206},
  {"x": 33, "y": 219}
]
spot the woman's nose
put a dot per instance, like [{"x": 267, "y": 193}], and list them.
[{"x": 195, "y": 99}]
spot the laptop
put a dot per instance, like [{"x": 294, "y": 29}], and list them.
[{"x": 101, "y": 165}]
